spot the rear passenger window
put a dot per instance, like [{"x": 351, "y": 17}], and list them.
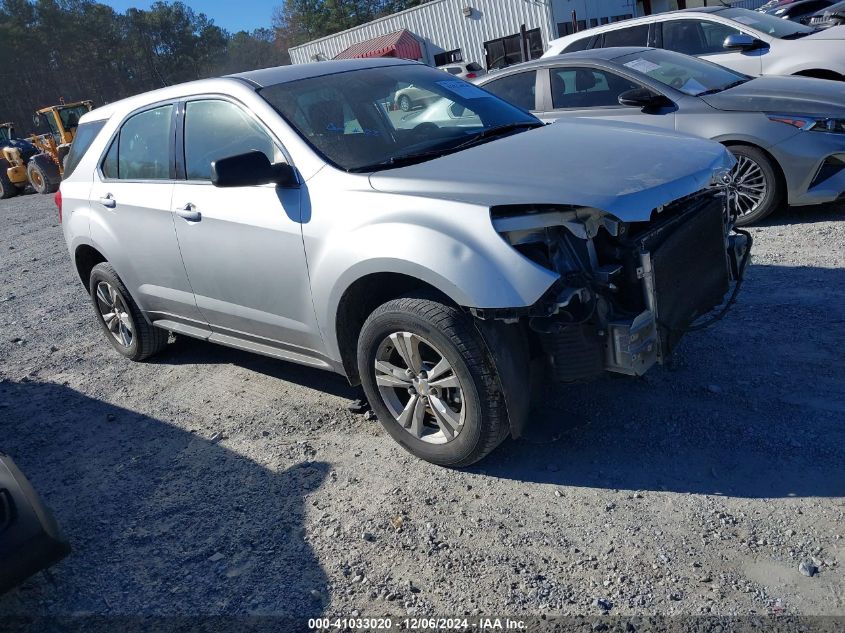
[
  {"x": 632, "y": 36},
  {"x": 141, "y": 150},
  {"x": 578, "y": 45},
  {"x": 85, "y": 135},
  {"x": 217, "y": 129},
  {"x": 518, "y": 89}
]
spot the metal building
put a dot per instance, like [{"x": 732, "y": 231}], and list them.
[{"x": 493, "y": 33}]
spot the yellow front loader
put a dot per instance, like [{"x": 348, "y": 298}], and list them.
[
  {"x": 45, "y": 169},
  {"x": 13, "y": 156}
]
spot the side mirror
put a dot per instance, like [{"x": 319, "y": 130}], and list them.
[
  {"x": 643, "y": 98},
  {"x": 251, "y": 169},
  {"x": 742, "y": 42}
]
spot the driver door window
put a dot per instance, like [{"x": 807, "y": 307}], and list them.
[
  {"x": 217, "y": 129},
  {"x": 586, "y": 88},
  {"x": 696, "y": 37}
]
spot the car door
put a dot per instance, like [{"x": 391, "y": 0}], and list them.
[
  {"x": 706, "y": 38},
  {"x": 242, "y": 246},
  {"x": 132, "y": 218},
  {"x": 581, "y": 91}
]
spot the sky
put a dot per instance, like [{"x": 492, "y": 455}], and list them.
[{"x": 232, "y": 15}]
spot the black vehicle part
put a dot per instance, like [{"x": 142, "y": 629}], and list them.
[
  {"x": 691, "y": 275},
  {"x": 575, "y": 352},
  {"x": 7, "y": 187},
  {"x": 30, "y": 540}
]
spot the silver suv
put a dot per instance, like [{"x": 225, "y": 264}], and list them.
[{"x": 294, "y": 212}]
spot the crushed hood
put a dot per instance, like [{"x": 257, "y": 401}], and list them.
[
  {"x": 626, "y": 170},
  {"x": 783, "y": 95}
]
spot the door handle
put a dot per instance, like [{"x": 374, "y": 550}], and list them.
[
  {"x": 189, "y": 212},
  {"x": 108, "y": 201}
]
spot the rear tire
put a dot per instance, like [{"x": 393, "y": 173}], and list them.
[
  {"x": 43, "y": 174},
  {"x": 126, "y": 329},
  {"x": 754, "y": 167},
  {"x": 7, "y": 188},
  {"x": 458, "y": 418},
  {"x": 404, "y": 103}
]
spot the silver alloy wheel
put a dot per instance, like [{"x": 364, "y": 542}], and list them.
[
  {"x": 748, "y": 188},
  {"x": 420, "y": 388},
  {"x": 115, "y": 313}
]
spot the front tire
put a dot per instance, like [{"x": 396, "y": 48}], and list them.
[
  {"x": 429, "y": 378},
  {"x": 757, "y": 190},
  {"x": 7, "y": 187},
  {"x": 121, "y": 319},
  {"x": 43, "y": 174}
]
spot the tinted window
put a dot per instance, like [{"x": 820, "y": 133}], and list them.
[
  {"x": 141, "y": 150},
  {"x": 577, "y": 45},
  {"x": 586, "y": 88},
  {"x": 696, "y": 37},
  {"x": 632, "y": 36},
  {"x": 85, "y": 135},
  {"x": 218, "y": 129},
  {"x": 517, "y": 89}
]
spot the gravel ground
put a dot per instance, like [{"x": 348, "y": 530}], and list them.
[{"x": 211, "y": 481}]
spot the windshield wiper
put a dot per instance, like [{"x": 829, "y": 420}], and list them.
[
  {"x": 723, "y": 88},
  {"x": 497, "y": 131},
  {"x": 415, "y": 157}
]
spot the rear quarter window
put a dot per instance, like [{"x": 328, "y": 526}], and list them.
[
  {"x": 85, "y": 135},
  {"x": 577, "y": 45}
]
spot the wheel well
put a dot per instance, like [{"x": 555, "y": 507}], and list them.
[
  {"x": 360, "y": 300},
  {"x": 778, "y": 169},
  {"x": 86, "y": 257},
  {"x": 820, "y": 73}
]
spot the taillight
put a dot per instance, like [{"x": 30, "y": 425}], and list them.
[
  {"x": 58, "y": 200},
  {"x": 471, "y": 76}
]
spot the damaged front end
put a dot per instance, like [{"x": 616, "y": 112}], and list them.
[{"x": 627, "y": 291}]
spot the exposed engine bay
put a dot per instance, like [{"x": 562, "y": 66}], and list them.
[{"x": 627, "y": 292}]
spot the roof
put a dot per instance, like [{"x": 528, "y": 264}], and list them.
[
  {"x": 281, "y": 74},
  {"x": 643, "y": 19},
  {"x": 602, "y": 54},
  {"x": 255, "y": 79},
  {"x": 400, "y": 44}
]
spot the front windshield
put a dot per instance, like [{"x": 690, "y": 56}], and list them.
[
  {"x": 765, "y": 23},
  {"x": 689, "y": 75},
  {"x": 381, "y": 117}
]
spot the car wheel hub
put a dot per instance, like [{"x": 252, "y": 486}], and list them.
[
  {"x": 747, "y": 187},
  {"x": 115, "y": 314},
  {"x": 420, "y": 388}
]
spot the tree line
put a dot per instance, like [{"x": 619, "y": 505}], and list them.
[{"x": 81, "y": 49}]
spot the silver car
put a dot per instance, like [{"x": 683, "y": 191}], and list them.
[
  {"x": 788, "y": 133},
  {"x": 284, "y": 212}
]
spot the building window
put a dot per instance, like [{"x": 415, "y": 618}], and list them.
[
  {"x": 593, "y": 22},
  {"x": 604, "y": 20},
  {"x": 448, "y": 57},
  {"x": 619, "y": 18},
  {"x": 564, "y": 28},
  {"x": 506, "y": 51}
]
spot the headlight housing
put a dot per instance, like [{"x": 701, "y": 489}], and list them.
[{"x": 811, "y": 124}]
